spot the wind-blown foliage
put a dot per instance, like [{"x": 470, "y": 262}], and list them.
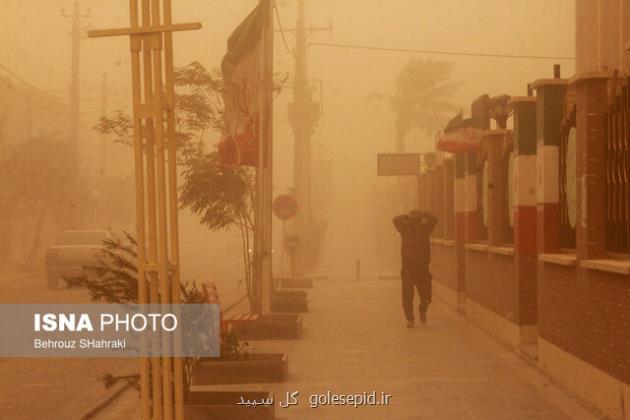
[
  {"x": 223, "y": 197},
  {"x": 198, "y": 109},
  {"x": 114, "y": 279},
  {"x": 423, "y": 90},
  {"x": 219, "y": 194},
  {"x": 199, "y": 101},
  {"x": 119, "y": 125}
]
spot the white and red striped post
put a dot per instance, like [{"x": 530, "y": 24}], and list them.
[{"x": 550, "y": 94}]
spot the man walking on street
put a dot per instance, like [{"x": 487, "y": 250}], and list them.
[{"x": 414, "y": 230}]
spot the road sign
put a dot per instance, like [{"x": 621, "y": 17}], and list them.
[
  {"x": 398, "y": 164},
  {"x": 285, "y": 207}
]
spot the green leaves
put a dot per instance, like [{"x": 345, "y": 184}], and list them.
[
  {"x": 119, "y": 125},
  {"x": 114, "y": 277},
  {"x": 219, "y": 194}
]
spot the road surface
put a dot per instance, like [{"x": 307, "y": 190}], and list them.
[{"x": 32, "y": 388}]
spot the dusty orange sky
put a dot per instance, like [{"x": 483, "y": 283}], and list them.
[{"x": 36, "y": 45}]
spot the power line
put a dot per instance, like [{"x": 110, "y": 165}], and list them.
[
  {"x": 35, "y": 100},
  {"x": 438, "y": 52},
  {"x": 284, "y": 40},
  {"x": 41, "y": 91}
]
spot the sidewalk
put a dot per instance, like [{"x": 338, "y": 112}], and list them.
[{"x": 355, "y": 341}]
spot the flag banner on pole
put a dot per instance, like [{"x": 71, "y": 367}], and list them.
[
  {"x": 242, "y": 75},
  {"x": 462, "y": 135}
]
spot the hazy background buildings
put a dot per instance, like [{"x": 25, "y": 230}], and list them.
[{"x": 36, "y": 46}]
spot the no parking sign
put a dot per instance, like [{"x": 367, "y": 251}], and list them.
[{"x": 285, "y": 207}]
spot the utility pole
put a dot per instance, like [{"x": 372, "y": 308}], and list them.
[
  {"x": 75, "y": 104},
  {"x": 75, "y": 100},
  {"x": 304, "y": 115}
]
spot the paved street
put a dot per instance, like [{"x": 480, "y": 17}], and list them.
[
  {"x": 49, "y": 388},
  {"x": 356, "y": 341},
  {"x": 32, "y": 289},
  {"x": 55, "y": 389}
]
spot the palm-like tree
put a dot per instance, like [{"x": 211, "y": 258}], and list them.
[{"x": 422, "y": 97}]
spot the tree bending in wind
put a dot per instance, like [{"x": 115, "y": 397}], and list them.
[
  {"x": 423, "y": 91},
  {"x": 219, "y": 194}
]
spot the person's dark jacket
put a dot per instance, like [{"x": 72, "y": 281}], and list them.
[{"x": 415, "y": 231}]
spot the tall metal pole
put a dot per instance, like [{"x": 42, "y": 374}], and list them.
[
  {"x": 263, "y": 276},
  {"x": 143, "y": 286},
  {"x": 75, "y": 79},
  {"x": 169, "y": 78},
  {"x": 161, "y": 378}
]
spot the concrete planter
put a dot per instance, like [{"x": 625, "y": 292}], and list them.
[
  {"x": 268, "y": 327},
  {"x": 289, "y": 301},
  {"x": 303, "y": 283},
  {"x": 210, "y": 405},
  {"x": 289, "y": 293},
  {"x": 259, "y": 368}
]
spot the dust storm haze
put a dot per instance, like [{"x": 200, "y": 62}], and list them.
[
  {"x": 354, "y": 128},
  {"x": 484, "y": 98}
]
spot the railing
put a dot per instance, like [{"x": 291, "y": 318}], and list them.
[{"x": 617, "y": 172}]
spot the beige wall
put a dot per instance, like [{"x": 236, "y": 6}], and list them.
[{"x": 601, "y": 35}]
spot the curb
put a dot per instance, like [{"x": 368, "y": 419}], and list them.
[
  {"x": 105, "y": 402},
  {"x": 24, "y": 276}
]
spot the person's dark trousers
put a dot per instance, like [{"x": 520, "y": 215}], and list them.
[{"x": 415, "y": 275}]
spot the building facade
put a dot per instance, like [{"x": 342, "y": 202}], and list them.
[{"x": 540, "y": 253}]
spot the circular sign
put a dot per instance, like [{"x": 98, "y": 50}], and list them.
[
  {"x": 570, "y": 177},
  {"x": 285, "y": 207}
]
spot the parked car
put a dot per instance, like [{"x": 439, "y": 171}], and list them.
[{"x": 71, "y": 251}]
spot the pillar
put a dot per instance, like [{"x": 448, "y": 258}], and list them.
[
  {"x": 591, "y": 165},
  {"x": 550, "y": 95},
  {"x": 524, "y": 210}
]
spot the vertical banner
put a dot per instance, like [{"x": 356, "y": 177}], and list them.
[
  {"x": 242, "y": 69},
  {"x": 248, "y": 85}
]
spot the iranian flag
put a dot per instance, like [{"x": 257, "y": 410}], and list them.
[
  {"x": 242, "y": 69},
  {"x": 462, "y": 135}
]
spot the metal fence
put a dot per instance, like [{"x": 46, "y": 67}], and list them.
[{"x": 617, "y": 172}]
